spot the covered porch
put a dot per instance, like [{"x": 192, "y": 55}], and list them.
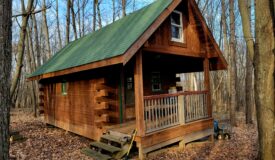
[{"x": 171, "y": 113}]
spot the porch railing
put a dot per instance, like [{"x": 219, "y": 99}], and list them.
[{"x": 166, "y": 110}]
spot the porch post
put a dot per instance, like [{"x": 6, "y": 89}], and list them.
[
  {"x": 139, "y": 101},
  {"x": 207, "y": 85}
]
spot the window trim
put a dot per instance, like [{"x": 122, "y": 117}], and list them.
[
  {"x": 181, "y": 40},
  {"x": 64, "y": 88},
  {"x": 152, "y": 83}
]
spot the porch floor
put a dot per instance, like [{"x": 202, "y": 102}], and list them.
[{"x": 125, "y": 128}]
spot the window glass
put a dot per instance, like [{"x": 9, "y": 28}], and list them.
[
  {"x": 156, "y": 81},
  {"x": 176, "y": 26},
  {"x": 129, "y": 83},
  {"x": 64, "y": 88}
]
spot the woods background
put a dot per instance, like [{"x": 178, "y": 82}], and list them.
[{"x": 42, "y": 27}]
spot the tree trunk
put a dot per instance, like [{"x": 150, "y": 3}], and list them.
[
  {"x": 123, "y": 5},
  {"x": 114, "y": 10},
  {"x": 264, "y": 77},
  {"x": 36, "y": 39},
  {"x": 233, "y": 68},
  {"x": 31, "y": 69},
  {"x": 58, "y": 26},
  {"x": 68, "y": 22},
  {"x": 83, "y": 17},
  {"x": 73, "y": 20},
  {"x": 99, "y": 15},
  {"x": 21, "y": 46},
  {"x": 46, "y": 31},
  {"x": 245, "y": 14},
  {"x": 79, "y": 18},
  {"x": 5, "y": 70},
  {"x": 94, "y": 14}
]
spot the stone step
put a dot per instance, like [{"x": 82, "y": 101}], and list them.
[
  {"x": 113, "y": 138},
  {"x": 95, "y": 155}
]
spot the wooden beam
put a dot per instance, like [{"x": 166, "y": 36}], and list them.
[
  {"x": 139, "y": 101},
  {"x": 207, "y": 85},
  {"x": 147, "y": 34},
  {"x": 174, "y": 51},
  {"x": 173, "y": 132}
]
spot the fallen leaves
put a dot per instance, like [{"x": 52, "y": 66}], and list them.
[{"x": 52, "y": 143}]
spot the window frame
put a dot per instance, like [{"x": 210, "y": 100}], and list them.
[
  {"x": 64, "y": 88},
  {"x": 156, "y": 83},
  {"x": 181, "y": 39}
]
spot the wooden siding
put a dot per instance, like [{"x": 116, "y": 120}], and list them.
[
  {"x": 194, "y": 40},
  {"x": 90, "y": 103}
]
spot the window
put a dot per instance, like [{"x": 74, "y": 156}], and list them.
[
  {"x": 156, "y": 81},
  {"x": 176, "y": 27},
  {"x": 64, "y": 88},
  {"x": 129, "y": 83}
]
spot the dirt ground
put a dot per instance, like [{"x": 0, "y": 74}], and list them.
[{"x": 44, "y": 142}]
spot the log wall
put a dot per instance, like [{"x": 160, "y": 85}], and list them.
[{"x": 90, "y": 103}]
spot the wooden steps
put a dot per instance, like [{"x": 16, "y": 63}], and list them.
[
  {"x": 104, "y": 146},
  {"x": 110, "y": 146},
  {"x": 95, "y": 155}
]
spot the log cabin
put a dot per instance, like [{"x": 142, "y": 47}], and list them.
[{"x": 125, "y": 76}]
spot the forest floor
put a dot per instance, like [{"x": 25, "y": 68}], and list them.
[{"x": 44, "y": 142}]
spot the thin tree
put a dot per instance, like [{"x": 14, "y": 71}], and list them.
[
  {"x": 68, "y": 21},
  {"x": 95, "y": 2},
  {"x": 5, "y": 69},
  {"x": 233, "y": 68},
  {"x": 123, "y": 5},
  {"x": 99, "y": 14},
  {"x": 73, "y": 19},
  {"x": 46, "y": 30},
  {"x": 21, "y": 44},
  {"x": 36, "y": 40},
  {"x": 264, "y": 77},
  {"x": 245, "y": 15},
  {"x": 58, "y": 26}
]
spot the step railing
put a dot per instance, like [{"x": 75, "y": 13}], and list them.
[{"x": 167, "y": 110}]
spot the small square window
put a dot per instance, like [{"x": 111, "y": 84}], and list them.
[
  {"x": 156, "y": 81},
  {"x": 64, "y": 88},
  {"x": 176, "y": 26}
]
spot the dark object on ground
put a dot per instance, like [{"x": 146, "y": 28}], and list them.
[{"x": 221, "y": 133}]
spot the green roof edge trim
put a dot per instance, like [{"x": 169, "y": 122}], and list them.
[{"x": 110, "y": 41}]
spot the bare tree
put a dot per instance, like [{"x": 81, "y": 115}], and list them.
[
  {"x": 123, "y": 5},
  {"x": 245, "y": 14},
  {"x": 5, "y": 69},
  {"x": 58, "y": 26},
  {"x": 73, "y": 19},
  {"x": 46, "y": 30},
  {"x": 95, "y": 2},
  {"x": 36, "y": 39},
  {"x": 233, "y": 68},
  {"x": 264, "y": 77},
  {"x": 21, "y": 45},
  {"x": 99, "y": 14},
  {"x": 68, "y": 21}
]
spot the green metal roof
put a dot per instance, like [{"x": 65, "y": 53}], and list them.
[{"x": 111, "y": 41}]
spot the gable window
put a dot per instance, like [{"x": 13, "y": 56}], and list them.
[
  {"x": 156, "y": 81},
  {"x": 64, "y": 88},
  {"x": 176, "y": 27}
]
